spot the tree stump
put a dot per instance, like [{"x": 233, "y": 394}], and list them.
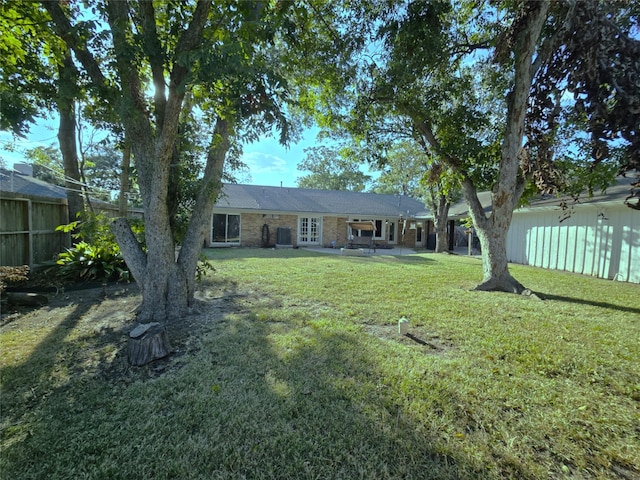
[{"x": 148, "y": 342}]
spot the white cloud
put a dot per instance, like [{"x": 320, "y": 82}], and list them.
[{"x": 264, "y": 163}]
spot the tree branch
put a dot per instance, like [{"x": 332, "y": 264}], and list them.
[
  {"x": 188, "y": 42},
  {"x": 135, "y": 258},
  {"x": 425, "y": 130},
  {"x": 63, "y": 28},
  {"x": 551, "y": 44},
  {"x": 136, "y": 119},
  {"x": 527, "y": 28},
  {"x": 210, "y": 187},
  {"x": 154, "y": 51}
]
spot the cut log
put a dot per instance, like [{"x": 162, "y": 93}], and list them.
[
  {"x": 148, "y": 342},
  {"x": 26, "y": 299}
]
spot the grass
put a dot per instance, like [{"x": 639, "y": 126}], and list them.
[{"x": 295, "y": 370}]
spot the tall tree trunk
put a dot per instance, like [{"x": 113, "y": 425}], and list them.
[
  {"x": 492, "y": 233},
  {"x": 67, "y": 135},
  {"x": 440, "y": 224},
  {"x": 492, "y": 230},
  {"x": 167, "y": 283}
]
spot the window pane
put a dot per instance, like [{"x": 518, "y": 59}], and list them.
[
  {"x": 219, "y": 227},
  {"x": 226, "y": 228},
  {"x": 233, "y": 228}
]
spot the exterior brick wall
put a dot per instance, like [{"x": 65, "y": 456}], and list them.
[
  {"x": 251, "y": 228},
  {"x": 333, "y": 229}
]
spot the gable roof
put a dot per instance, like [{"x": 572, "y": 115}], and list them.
[
  {"x": 613, "y": 195},
  {"x": 306, "y": 200},
  {"x": 12, "y": 181}
]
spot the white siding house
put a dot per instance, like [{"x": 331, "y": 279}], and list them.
[
  {"x": 601, "y": 239},
  {"x": 598, "y": 236}
]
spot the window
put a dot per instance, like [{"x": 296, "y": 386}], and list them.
[
  {"x": 309, "y": 230},
  {"x": 225, "y": 228},
  {"x": 392, "y": 232}
]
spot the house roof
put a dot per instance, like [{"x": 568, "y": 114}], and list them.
[
  {"x": 615, "y": 194},
  {"x": 12, "y": 181},
  {"x": 306, "y": 200}
]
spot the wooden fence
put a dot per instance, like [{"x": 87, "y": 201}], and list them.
[{"x": 27, "y": 229}]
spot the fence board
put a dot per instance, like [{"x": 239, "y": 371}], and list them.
[{"x": 27, "y": 229}]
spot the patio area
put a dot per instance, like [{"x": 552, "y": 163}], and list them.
[{"x": 364, "y": 252}]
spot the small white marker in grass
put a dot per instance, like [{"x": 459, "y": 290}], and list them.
[{"x": 403, "y": 326}]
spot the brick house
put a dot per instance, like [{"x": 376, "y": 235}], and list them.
[{"x": 257, "y": 216}]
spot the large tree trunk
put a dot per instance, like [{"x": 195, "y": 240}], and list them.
[
  {"x": 67, "y": 135},
  {"x": 492, "y": 233},
  {"x": 440, "y": 224},
  {"x": 167, "y": 283}
]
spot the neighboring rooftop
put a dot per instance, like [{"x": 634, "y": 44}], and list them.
[
  {"x": 615, "y": 194},
  {"x": 13, "y": 181},
  {"x": 307, "y": 200}
]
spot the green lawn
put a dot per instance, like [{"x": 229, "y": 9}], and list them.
[{"x": 295, "y": 370}]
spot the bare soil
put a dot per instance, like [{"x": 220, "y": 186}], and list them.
[{"x": 101, "y": 317}]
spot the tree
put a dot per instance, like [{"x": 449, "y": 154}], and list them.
[
  {"x": 331, "y": 169},
  {"x": 535, "y": 33},
  {"x": 26, "y": 86},
  {"x": 68, "y": 92},
  {"x": 412, "y": 169},
  {"x": 447, "y": 115},
  {"x": 30, "y": 87},
  {"x": 221, "y": 56},
  {"x": 402, "y": 167},
  {"x": 447, "y": 69}
]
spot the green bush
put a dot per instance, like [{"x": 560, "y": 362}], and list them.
[
  {"x": 96, "y": 254},
  {"x": 93, "y": 262}
]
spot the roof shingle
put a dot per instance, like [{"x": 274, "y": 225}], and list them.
[{"x": 306, "y": 200}]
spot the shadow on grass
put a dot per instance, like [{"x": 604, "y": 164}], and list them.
[
  {"x": 240, "y": 254},
  {"x": 582, "y": 301},
  {"x": 283, "y": 396},
  {"x": 36, "y": 371},
  {"x": 53, "y": 364}
]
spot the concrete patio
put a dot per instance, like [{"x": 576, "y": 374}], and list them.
[{"x": 363, "y": 252}]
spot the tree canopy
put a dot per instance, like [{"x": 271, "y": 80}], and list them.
[
  {"x": 167, "y": 75},
  {"x": 332, "y": 168}
]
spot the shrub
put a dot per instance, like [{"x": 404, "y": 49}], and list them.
[{"x": 96, "y": 255}]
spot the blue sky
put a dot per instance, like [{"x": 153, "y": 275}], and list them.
[{"x": 269, "y": 162}]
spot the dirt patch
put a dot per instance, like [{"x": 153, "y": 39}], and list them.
[
  {"x": 99, "y": 319},
  {"x": 417, "y": 337}
]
